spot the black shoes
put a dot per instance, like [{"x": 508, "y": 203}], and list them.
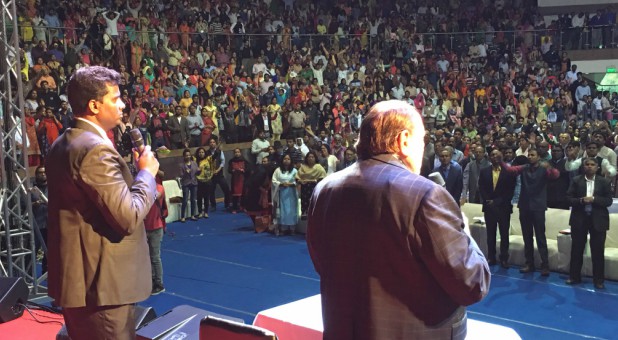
[
  {"x": 545, "y": 271},
  {"x": 504, "y": 264},
  {"x": 156, "y": 290},
  {"x": 599, "y": 285},
  {"x": 492, "y": 262},
  {"x": 526, "y": 269}
]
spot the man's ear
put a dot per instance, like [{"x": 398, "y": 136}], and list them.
[
  {"x": 403, "y": 141},
  {"x": 93, "y": 105}
]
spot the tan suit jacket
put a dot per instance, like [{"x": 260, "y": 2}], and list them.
[{"x": 98, "y": 254}]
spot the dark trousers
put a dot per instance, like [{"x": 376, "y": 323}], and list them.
[
  {"x": 100, "y": 322},
  {"x": 154, "y": 247},
  {"x": 188, "y": 193},
  {"x": 497, "y": 218},
  {"x": 219, "y": 180},
  {"x": 597, "y": 250},
  {"x": 195, "y": 141},
  {"x": 533, "y": 224},
  {"x": 203, "y": 193}
]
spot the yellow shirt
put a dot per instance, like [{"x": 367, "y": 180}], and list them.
[{"x": 495, "y": 174}]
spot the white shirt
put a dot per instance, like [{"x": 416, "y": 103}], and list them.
[
  {"x": 101, "y": 132},
  {"x": 256, "y": 148},
  {"x": 589, "y": 186}
]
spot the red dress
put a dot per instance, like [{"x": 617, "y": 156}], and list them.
[{"x": 238, "y": 169}]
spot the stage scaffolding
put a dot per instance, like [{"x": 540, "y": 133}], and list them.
[{"x": 17, "y": 232}]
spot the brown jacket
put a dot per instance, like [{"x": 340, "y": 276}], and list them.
[{"x": 98, "y": 254}]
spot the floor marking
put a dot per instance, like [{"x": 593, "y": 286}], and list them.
[
  {"x": 210, "y": 304},
  {"x": 537, "y": 326},
  {"x": 210, "y": 259}
]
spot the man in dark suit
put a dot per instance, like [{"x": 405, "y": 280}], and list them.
[
  {"x": 99, "y": 265},
  {"x": 532, "y": 204},
  {"x": 590, "y": 195},
  {"x": 394, "y": 261},
  {"x": 496, "y": 188},
  {"x": 179, "y": 130},
  {"x": 451, "y": 173}
]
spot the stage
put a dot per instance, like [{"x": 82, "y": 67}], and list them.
[{"x": 302, "y": 320}]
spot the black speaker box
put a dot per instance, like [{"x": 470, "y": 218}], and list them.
[
  {"x": 13, "y": 295},
  {"x": 182, "y": 322}
]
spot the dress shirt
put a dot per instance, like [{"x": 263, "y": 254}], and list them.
[{"x": 495, "y": 174}]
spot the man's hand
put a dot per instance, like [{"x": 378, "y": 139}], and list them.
[
  {"x": 462, "y": 201},
  {"x": 545, "y": 164},
  {"x": 588, "y": 199},
  {"x": 146, "y": 161}
]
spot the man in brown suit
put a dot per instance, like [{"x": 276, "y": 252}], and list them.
[{"x": 99, "y": 264}]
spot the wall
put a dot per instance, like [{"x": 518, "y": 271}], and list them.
[
  {"x": 556, "y": 3},
  {"x": 594, "y": 66}
]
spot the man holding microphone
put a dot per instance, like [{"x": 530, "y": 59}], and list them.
[{"x": 99, "y": 264}]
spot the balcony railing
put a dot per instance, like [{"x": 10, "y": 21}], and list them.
[{"x": 562, "y": 39}]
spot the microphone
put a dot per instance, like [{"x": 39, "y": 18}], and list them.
[
  {"x": 437, "y": 178},
  {"x": 137, "y": 141}
]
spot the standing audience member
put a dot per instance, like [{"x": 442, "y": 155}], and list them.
[
  {"x": 39, "y": 211},
  {"x": 470, "y": 190},
  {"x": 349, "y": 158},
  {"x": 155, "y": 227},
  {"x": 590, "y": 196},
  {"x": 204, "y": 180},
  {"x": 557, "y": 189},
  {"x": 496, "y": 188},
  {"x": 285, "y": 196},
  {"x": 309, "y": 174},
  {"x": 451, "y": 173},
  {"x": 259, "y": 147},
  {"x": 218, "y": 159},
  {"x": 532, "y": 205},
  {"x": 188, "y": 183},
  {"x": 196, "y": 125},
  {"x": 239, "y": 169},
  {"x": 179, "y": 130},
  {"x": 395, "y": 261}
]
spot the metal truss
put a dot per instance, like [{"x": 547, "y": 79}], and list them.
[{"x": 17, "y": 233}]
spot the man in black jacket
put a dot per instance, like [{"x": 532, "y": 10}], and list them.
[
  {"x": 590, "y": 196},
  {"x": 496, "y": 188}
]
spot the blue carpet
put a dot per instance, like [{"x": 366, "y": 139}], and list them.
[{"x": 219, "y": 264}]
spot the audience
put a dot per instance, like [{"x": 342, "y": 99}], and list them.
[{"x": 203, "y": 73}]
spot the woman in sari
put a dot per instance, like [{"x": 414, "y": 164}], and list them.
[
  {"x": 309, "y": 174},
  {"x": 285, "y": 197},
  {"x": 238, "y": 168}
]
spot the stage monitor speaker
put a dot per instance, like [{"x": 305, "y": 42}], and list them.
[
  {"x": 13, "y": 297},
  {"x": 144, "y": 315},
  {"x": 182, "y": 322}
]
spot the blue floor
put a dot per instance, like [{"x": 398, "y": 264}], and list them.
[{"x": 219, "y": 264}]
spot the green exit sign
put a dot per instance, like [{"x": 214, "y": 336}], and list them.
[{"x": 611, "y": 70}]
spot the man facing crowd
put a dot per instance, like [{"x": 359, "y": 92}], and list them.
[
  {"x": 394, "y": 262},
  {"x": 99, "y": 264}
]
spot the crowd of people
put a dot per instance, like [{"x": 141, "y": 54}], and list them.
[{"x": 296, "y": 79}]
